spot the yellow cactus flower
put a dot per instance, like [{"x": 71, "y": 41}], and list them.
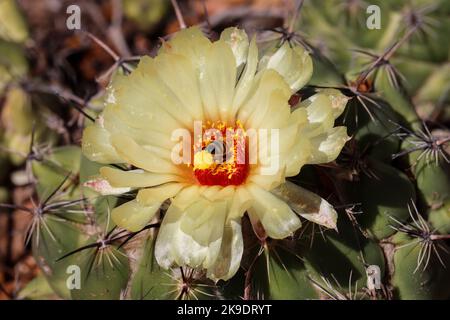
[{"x": 226, "y": 88}]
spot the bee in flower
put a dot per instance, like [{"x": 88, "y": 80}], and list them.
[{"x": 226, "y": 87}]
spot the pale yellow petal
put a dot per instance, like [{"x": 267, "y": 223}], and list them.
[
  {"x": 307, "y": 204},
  {"x": 164, "y": 252},
  {"x": 217, "y": 82},
  {"x": 201, "y": 232},
  {"x": 159, "y": 193},
  {"x": 135, "y": 178},
  {"x": 179, "y": 75},
  {"x": 136, "y": 155},
  {"x": 143, "y": 130},
  {"x": 237, "y": 39},
  {"x": 293, "y": 63},
  {"x": 230, "y": 255},
  {"x": 327, "y": 146},
  {"x": 266, "y": 181},
  {"x": 192, "y": 236},
  {"x": 160, "y": 95},
  {"x": 97, "y": 147},
  {"x": 159, "y": 152},
  {"x": 320, "y": 114},
  {"x": 276, "y": 114},
  {"x": 299, "y": 155},
  {"x": 299, "y": 116},
  {"x": 242, "y": 200},
  {"x": 259, "y": 97},
  {"x": 190, "y": 42},
  {"x": 187, "y": 196},
  {"x": 133, "y": 216},
  {"x": 211, "y": 192},
  {"x": 278, "y": 220},
  {"x": 322, "y": 110},
  {"x": 103, "y": 187},
  {"x": 217, "y": 193},
  {"x": 275, "y": 147},
  {"x": 338, "y": 101},
  {"x": 246, "y": 80},
  {"x": 143, "y": 101}
]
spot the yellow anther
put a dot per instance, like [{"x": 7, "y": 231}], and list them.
[{"x": 203, "y": 160}]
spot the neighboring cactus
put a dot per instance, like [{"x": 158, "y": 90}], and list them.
[
  {"x": 12, "y": 23},
  {"x": 147, "y": 14},
  {"x": 387, "y": 193}
]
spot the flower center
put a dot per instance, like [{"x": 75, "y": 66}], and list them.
[{"x": 220, "y": 155}]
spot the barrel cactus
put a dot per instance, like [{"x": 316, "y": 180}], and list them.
[{"x": 308, "y": 161}]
